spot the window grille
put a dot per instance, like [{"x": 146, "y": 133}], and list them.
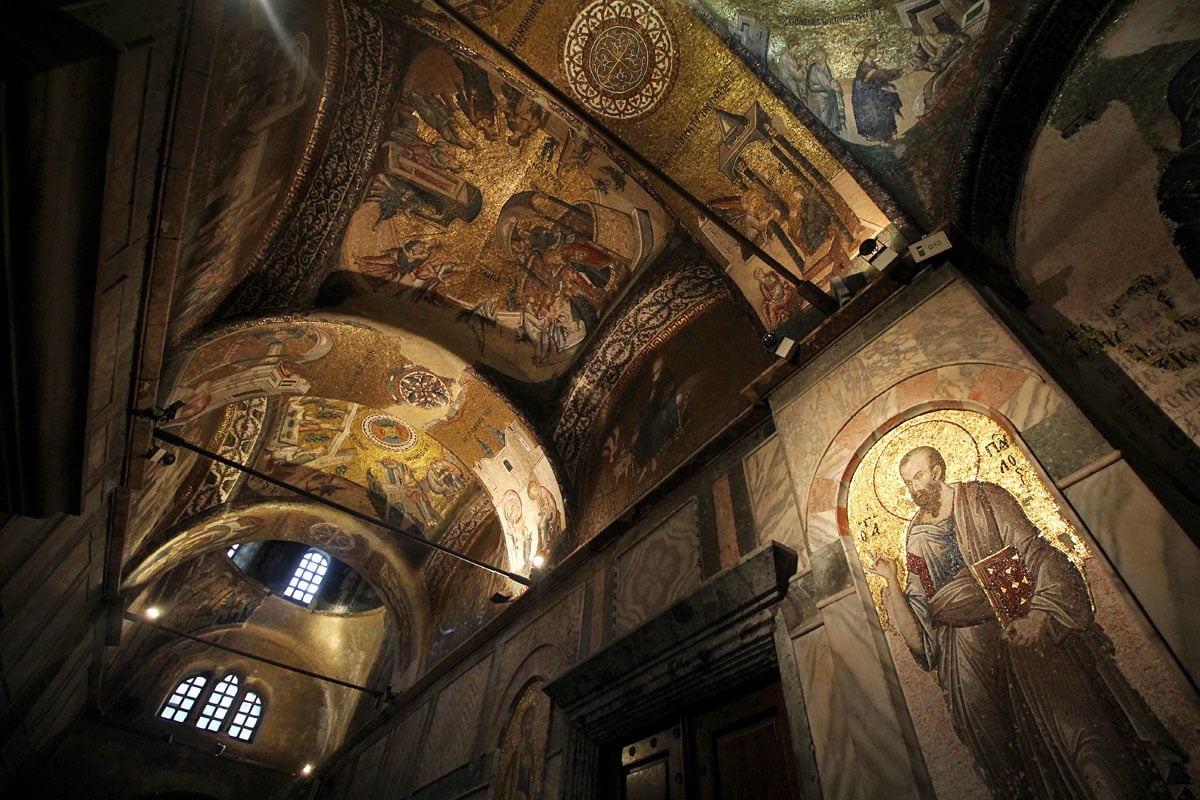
[
  {"x": 245, "y": 720},
  {"x": 306, "y": 580},
  {"x": 183, "y": 706},
  {"x": 179, "y": 705}
]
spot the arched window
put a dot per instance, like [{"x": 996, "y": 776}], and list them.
[
  {"x": 218, "y": 705},
  {"x": 306, "y": 580},
  {"x": 245, "y": 721},
  {"x": 208, "y": 709},
  {"x": 179, "y": 705}
]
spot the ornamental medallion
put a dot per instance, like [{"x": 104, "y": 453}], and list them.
[
  {"x": 619, "y": 57},
  {"x": 389, "y": 432},
  {"x": 418, "y": 387}
]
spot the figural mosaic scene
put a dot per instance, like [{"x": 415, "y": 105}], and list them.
[{"x": 601, "y": 400}]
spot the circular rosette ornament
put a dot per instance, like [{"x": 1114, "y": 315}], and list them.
[
  {"x": 389, "y": 433},
  {"x": 619, "y": 57},
  {"x": 418, "y": 387}
]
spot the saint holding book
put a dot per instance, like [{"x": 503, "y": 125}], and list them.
[{"x": 1006, "y": 621}]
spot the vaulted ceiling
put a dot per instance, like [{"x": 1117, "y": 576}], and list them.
[{"x": 492, "y": 271}]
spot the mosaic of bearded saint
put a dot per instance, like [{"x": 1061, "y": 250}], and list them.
[{"x": 1006, "y": 621}]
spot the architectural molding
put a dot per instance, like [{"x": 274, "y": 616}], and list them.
[{"x": 724, "y": 633}]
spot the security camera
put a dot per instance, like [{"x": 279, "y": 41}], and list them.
[{"x": 781, "y": 346}]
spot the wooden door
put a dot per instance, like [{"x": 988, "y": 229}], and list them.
[
  {"x": 738, "y": 749},
  {"x": 742, "y": 750},
  {"x": 653, "y": 768}
]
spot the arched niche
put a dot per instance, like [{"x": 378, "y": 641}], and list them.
[
  {"x": 522, "y": 770},
  {"x": 995, "y": 612}
]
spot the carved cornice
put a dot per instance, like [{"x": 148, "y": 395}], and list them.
[{"x": 722, "y": 632}]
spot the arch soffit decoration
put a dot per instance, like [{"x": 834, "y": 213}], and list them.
[
  {"x": 403, "y": 396},
  {"x": 983, "y": 191},
  {"x": 627, "y": 341}
]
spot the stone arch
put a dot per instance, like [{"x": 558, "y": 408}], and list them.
[
  {"x": 543, "y": 663},
  {"x": 1019, "y": 395},
  {"x": 374, "y": 553}
]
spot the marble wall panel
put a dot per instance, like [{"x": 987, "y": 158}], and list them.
[
  {"x": 725, "y": 522},
  {"x": 557, "y": 629},
  {"x": 456, "y": 718},
  {"x": 1031, "y": 403},
  {"x": 395, "y": 776},
  {"x": 1153, "y": 555},
  {"x": 552, "y": 782},
  {"x": 956, "y": 381},
  {"x": 879, "y": 730},
  {"x": 1064, "y": 442},
  {"x": 594, "y": 607},
  {"x": 823, "y": 530},
  {"x": 366, "y": 770},
  {"x": 663, "y": 567},
  {"x": 772, "y": 500},
  {"x": 559, "y": 626},
  {"x": 823, "y": 698}
]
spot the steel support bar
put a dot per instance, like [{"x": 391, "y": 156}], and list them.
[{"x": 170, "y": 438}]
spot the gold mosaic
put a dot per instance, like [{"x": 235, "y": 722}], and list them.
[{"x": 975, "y": 447}]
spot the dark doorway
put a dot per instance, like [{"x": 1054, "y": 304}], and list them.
[{"x": 738, "y": 749}]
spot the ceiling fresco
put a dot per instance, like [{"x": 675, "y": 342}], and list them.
[
  {"x": 493, "y": 276},
  {"x": 670, "y": 378},
  {"x": 506, "y": 223},
  {"x": 409, "y": 266},
  {"x": 379, "y": 421},
  {"x": 707, "y": 121},
  {"x": 263, "y": 99},
  {"x": 892, "y": 80}
]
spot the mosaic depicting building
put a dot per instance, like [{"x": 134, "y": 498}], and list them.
[{"x": 446, "y": 399}]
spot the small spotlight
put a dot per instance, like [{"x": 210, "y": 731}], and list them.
[
  {"x": 539, "y": 561},
  {"x": 161, "y": 455},
  {"x": 152, "y": 612},
  {"x": 306, "y": 770}
]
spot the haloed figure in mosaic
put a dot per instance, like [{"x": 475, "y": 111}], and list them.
[{"x": 1006, "y": 621}]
